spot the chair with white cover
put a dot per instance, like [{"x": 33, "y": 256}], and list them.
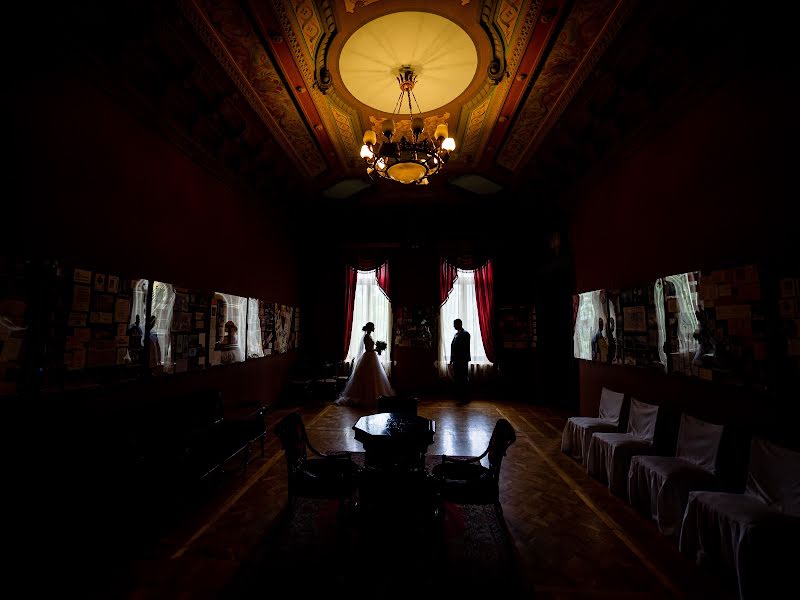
[
  {"x": 753, "y": 534},
  {"x": 610, "y": 454},
  {"x": 578, "y": 430},
  {"x": 659, "y": 486}
]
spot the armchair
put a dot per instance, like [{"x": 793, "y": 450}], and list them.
[
  {"x": 329, "y": 475},
  {"x": 466, "y": 481}
]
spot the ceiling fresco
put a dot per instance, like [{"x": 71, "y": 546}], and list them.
[{"x": 284, "y": 58}]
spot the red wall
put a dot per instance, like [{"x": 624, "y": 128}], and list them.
[
  {"x": 99, "y": 188},
  {"x": 711, "y": 188}
]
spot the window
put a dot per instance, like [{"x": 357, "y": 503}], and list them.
[
  {"x": 370, "y": 305},
  {"x": 461, "y": 304}
]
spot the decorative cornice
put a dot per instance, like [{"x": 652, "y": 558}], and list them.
[
  {"x": 322, "y": 76},
  {"x": 499, "y": 97},
  {"x": 321, "y": 100},
  {"x": 544, "y": 106},
  {"x": 301, "y": 145},
  {"x": 496, "y": 70}
]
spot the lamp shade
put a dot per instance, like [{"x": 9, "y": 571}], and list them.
[
  {"x": 366, "y": 152},
  {"x": 387, "y": 127},
  {"x": 370, "y": 137},
  {"x": 449, "y": 144},
  {"x": 441, "y": 131},
  {"x": 417, "y": 125}
]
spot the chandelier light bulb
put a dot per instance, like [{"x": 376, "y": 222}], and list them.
[
  {"x": 449, "y": 144},
  {"x": 366, "y": 152}
]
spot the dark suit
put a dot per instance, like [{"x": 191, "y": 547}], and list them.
[{"x": 460, "y": 357}]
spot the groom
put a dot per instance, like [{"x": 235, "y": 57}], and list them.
[{"x": 459, "y": 358}]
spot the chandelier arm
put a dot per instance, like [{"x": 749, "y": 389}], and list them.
[
  {"x": 419, "y": 110},
  {"x": 398, "y": 105}
]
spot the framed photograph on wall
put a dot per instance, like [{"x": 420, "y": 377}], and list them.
[{"x": 635, "y": 318}]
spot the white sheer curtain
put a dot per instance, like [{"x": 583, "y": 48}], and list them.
[
  {"x": 371, "y": 305},
  {"x": 255, "y": 346},
  {"x": 661, "y": 321},
  {"x": 687, "y": 317},
  {"x": 462, "y": 304},
  {"x": 591, "y": 308},
  {"x": 162, "y": 307}
]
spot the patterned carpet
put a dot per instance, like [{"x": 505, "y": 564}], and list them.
[{"x": 318, "y": 548}]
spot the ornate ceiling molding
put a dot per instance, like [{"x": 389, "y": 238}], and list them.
[
  {"x": 227, "y": 33},
  {"x": 332, "y": 111},
  {"x": 496, "y": 70},
  {"x": 502, "y": 90},
  {"x": 322, "y": 75},
  {"x": 588, "y": 31}
]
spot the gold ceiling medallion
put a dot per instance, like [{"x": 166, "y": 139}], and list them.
[{"x": 407, "y": 161}]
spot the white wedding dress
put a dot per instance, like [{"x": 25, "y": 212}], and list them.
[{"x": 368, "y": 380}]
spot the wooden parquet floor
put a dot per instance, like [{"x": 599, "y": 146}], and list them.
[{"x": 575, "y": 540}]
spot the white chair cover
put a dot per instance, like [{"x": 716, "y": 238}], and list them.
[
  {"x": 611, "y": 405},
  {"x": 642, "y": 420},
  {"x": 660, "y": 485},
  {"x": 698, "y": 442},
  {"x": 774, "y": 476},
  {"x": 609, "y": 456},
  {"x": 749, "y": 533},
  {"x": 578, "y": 431}
]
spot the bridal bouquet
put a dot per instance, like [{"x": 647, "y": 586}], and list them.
[{"x": 380, "y": 346}]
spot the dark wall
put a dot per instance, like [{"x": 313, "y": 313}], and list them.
[
  {"x": 711, "y": 187},
  {"x": 98, "y": 187}
]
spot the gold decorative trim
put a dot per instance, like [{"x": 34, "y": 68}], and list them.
[
  {"x": 287, "y": 125},
  {"x": 536, "y": 119},
  {"x": 351, "y": 5},
  {"x": 345, "y": 128},
  {"x": 474, "y": 127},
  {"x": 506, "y": 18}
]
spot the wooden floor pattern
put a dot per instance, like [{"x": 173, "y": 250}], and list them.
[{"x": 574, "y": 538}]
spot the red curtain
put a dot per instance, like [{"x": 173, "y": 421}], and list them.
[
  {"x": 484, "y": 294},
  {"x": 382, "y": 274},
  {"x": 351, "y": 277},
  {"x": 448, "y": 274}
]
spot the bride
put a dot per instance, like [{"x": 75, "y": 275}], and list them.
[{"x": 368, "y": 380}]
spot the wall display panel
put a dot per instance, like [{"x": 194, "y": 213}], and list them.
[
  {"x": 517, "y": 326},
  {"x": 104, "y": 326},
  {"x": 789, "y": 311},
  {"x": 731, "y": 329},
  {"x": 284, "y": 328},
  {"x": 260, "y": 328},
  {"x": 227, "y": 335},
  {"x": 15, "y": 322},
  {"x": 178, "y": 329},
  {"x": 590, "y": 315},
  {"x": 639, "y": 326},
  {"x": 415, "y": 327},
  {"x": 296, "y": 329}
]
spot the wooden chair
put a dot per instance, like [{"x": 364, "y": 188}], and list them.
[
  {"x": 466, "y": 481},
  {"x": 329, "y": 475}
]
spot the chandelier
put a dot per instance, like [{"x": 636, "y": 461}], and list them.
[{"x": 407, "y": 161}]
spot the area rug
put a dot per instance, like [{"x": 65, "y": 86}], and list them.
[{"x": 317, "y": 548}]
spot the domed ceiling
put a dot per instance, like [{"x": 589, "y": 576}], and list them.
[{"x": 319, "y": 73}]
